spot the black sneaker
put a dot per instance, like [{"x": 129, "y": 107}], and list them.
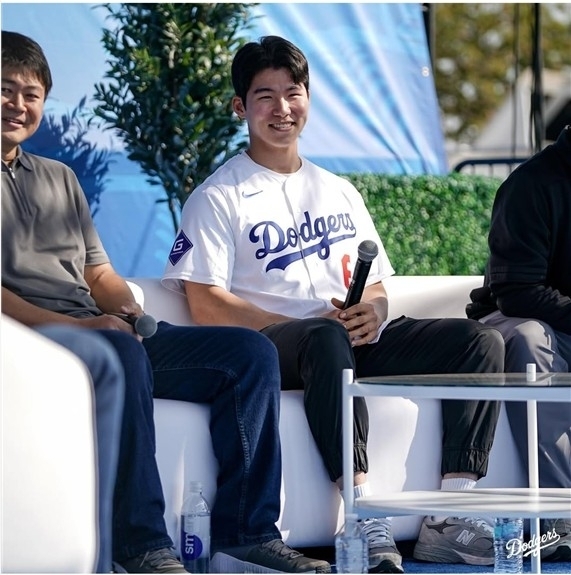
[
  {"x": 455, "y": 540},
  {"x": 270, "y": 557},
  {"x": 157, "y": 561},
  {"x": 558, "y": 545}
]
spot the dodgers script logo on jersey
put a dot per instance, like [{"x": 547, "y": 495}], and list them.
[
  {"x": 310, "y": 236},
  {"x": 181, "y": 245}
]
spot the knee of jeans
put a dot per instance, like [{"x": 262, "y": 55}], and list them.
[
  {"x": 260, "y": 352},
  {"x": 258, "y": 344}
]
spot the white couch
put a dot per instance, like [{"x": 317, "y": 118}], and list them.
[
  {"x": 48, "y": 468},
  {"x": 404, "y": 440}
]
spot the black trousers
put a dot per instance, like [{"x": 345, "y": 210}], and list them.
[{"x": 313, "y": 352}]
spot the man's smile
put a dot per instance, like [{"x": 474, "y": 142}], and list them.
[{"x": 283, "y": 125}]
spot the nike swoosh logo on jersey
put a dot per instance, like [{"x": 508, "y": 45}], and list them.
[{"x": 250, "y": 193}]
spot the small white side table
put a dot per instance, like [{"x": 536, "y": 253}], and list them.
[{"x": 532, "y": 502}]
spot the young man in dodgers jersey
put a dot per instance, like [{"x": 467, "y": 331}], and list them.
[{"x": 268, "y": 242}]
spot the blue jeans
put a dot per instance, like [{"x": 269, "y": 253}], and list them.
[
  {"x": 236, "y": 371},
  {"x": 138, "y": 501},
  {"x": 108, "y": 385}
]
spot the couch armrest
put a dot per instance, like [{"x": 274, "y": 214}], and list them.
[
  {"x": 160, "y": 302},
  {"x": 49, "y": 516}
]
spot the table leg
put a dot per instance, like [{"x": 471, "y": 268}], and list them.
[
  {"x": 347, "y": 421},
  {"x": 533, "y": 475}
]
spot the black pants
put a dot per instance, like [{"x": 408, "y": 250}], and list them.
[{"x": 313, "y": 352}]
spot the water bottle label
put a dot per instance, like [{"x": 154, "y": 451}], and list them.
[{"x": 192, "y": 546}]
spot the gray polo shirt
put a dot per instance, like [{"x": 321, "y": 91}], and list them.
[{"x": 48, "y": 236}]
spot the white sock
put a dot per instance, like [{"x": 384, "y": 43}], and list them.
[
  {"x": 457, "y": 484},
  {"x": 362, "y": 490}
]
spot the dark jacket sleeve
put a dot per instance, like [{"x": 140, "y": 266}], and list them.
[{"x": 524, "y": 258}]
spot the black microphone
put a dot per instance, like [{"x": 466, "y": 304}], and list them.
[
  {"x": 144, "y": 325},
  {"x": 367, "y": 252}
]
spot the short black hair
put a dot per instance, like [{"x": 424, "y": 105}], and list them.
[
  {"x": 21, "y": 52},
  {"x": 268, "y": 52}
]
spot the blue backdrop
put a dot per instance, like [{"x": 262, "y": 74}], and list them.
[{"x": 374, "y": 107}]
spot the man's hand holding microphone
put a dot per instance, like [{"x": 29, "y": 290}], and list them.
[
  {"x": 131, "y": 319},
  {"x": 360, "y": 318},
  {"x": 143, "y": 325}
]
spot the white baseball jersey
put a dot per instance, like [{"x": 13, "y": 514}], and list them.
[{"x": 285, "y": 242}]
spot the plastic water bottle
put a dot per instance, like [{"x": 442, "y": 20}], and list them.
[
  {"x": 195, "y": 531},
  {"x": 508, "y": 542},
  {"x": 351, "y": 547}
]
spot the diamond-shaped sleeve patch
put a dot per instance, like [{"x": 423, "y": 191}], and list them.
[{"x": 181, "y": 245}]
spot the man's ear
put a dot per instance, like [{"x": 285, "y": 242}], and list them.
[{"x": 238, "y": 107}]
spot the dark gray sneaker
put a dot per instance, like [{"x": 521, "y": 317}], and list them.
[
  {"x": 384, "y": 557},
  {"x": 455, "y": 540},
  {"x": 270, "y": 557},
  {"x": 558, "y": 544},
  {"x": 158, "y": 561}
]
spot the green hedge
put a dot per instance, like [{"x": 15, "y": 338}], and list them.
[{"x": 431, "y": 225}]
